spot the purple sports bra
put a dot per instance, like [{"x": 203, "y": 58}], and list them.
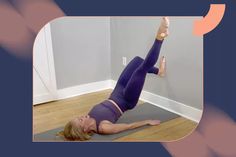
[{"x": 105, "y": 110}]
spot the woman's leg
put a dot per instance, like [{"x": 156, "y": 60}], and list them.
[
  {"x": 153, "y": 70},
  {"x": 130, "y": 68},
  {"x": 135, "y": 84},
  {"x": 117, "y": 94},
  {"x": 128, "y": 71}
]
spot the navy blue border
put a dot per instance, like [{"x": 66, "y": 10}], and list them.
[{"x": 16, "y": 78}]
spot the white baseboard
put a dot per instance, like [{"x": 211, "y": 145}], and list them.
[
  {"x": 181, "y": 109},
  {"x": 82, "y": 89},
  {"x": 38, "y": 99},
  {"x": 112, "y": 84}
]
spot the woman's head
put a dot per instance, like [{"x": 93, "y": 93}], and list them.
[{"x": 80, "y": 128}]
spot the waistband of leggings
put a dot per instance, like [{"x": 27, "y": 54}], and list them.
[{"x": 114, "y": 105}]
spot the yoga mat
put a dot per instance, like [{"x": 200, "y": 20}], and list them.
[{"x": 140, "y": 112}]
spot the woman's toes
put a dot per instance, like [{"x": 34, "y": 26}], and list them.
[{"x": 166, "y": 21}]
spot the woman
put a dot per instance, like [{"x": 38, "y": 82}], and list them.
[{"x": 102, "y": 117}]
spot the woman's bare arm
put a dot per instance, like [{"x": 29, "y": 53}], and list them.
[{"x": 110, "y": 128}]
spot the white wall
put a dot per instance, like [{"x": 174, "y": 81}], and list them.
[
  {"x": 81, "y": 47},
  {"x": 90, "y": 49}
]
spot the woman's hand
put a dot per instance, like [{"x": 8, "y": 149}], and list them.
[{"x": 153, "y": 122}]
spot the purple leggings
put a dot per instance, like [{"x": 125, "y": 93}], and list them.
[{"x": 130, "y": 83}]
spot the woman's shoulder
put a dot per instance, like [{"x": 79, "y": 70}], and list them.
[{"x": 103, "y": 125}]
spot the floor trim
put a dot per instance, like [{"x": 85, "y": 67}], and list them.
[
  {"x": 42, "y": 98},
  {"x": 83, "y": 89}
]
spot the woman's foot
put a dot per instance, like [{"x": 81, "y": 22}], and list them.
[
  {"x": 162, "y": 67},
  {"x": 163, "y": 29}
]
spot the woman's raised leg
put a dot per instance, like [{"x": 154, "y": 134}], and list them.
[
  {"x": 135, "y": 84},
  {"x": 130, "y": 68}
]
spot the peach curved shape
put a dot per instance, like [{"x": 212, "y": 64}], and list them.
[{"x": 210, "y": 21}]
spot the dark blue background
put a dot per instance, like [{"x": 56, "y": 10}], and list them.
[{"x": 16, "y": 78}]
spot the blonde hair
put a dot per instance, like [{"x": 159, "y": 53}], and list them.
[{"x": 73, "y": 133}]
